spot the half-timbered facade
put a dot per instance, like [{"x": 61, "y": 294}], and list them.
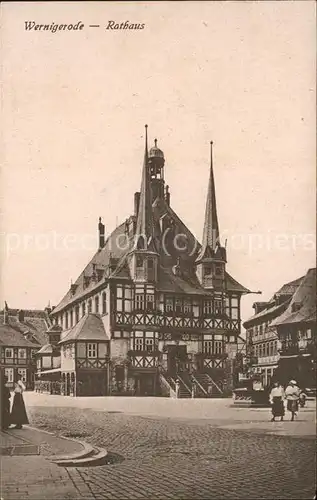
[
  {"x": 22, "y": 334},
  {"x": 297, "y": 333},
  {"x": 263, "y": 344},
  {"x": 169, "y": 310}
]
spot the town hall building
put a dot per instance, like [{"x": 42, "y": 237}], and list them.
[{"x": 154, "y": 312}]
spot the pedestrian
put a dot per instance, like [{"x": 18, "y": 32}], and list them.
[
  {"x": 277, "y": 401},
  {"x": 177, "y": 388},
  {"x": 5, "y": 404},
  {"x": 292, "y": 392},
  {"x": 302, "y": 399},
  {"x": 18, "y": 412}
]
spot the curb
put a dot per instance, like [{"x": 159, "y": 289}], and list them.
[{"x": 87, "y": 448}]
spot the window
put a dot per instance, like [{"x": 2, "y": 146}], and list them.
[
  {"x": 22, "y": 373},
  {"x": 218, "y": 306},
  {"x": 66, "y": 320},
  {"x": 89, "y": 306},
  {"x": 150, "y": 264},
  {"x": 208, "y": 347},
  {"x": 9, "y": 374},
  {"x": 97, "y": 304},
  {"x": 207, "y": 307},
  {"x": 104, "y": 303},
  {"x": 150, "y": 302},
  {"x": 138, "y": 344},
  {"x": 218, "y": 347},
  {"x": 92, "y": 350},
  {"x": 22, "y": 353},
  {"x": 169, "y": 304},
  {"x": 139, "y": 262},
  {"x": 83, "y": 309},
  {"x": 187, "y": 307},
  {"x": 218, "y": 270},
  {"x": 178, "y": 306},
  {"x": 8, "y": 353},
  {"x": 207, "y": 271},
  {"x": 139, "y": 302},
  {"x": 149, "y": 344},
  {"x": 76, "y": 314}
]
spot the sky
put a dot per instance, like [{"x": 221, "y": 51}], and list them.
[{"x": 74, "y": 106}]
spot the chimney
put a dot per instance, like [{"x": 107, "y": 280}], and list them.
[
  {"x": 167, "y": 196},
  {"x": 20, "y": 315},
  {"x": 101, "y": 228},
  {"x": 136, "y": 203}
]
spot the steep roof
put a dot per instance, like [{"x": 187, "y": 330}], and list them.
[
  {"x": 144, "y": 227},
  {"x": 111, "y": 261},
  {"x": 11, "y": 336},
  {"x": 89, "y": 327},
  {"x": 289, "y": 288},
  {"x": 35, "y": 322},
  {"x": 272, "y": 310},
  {"x": 272, "y": 307},
  {"x": 211, "y": 226},
  {"x": 302, "y": 308},
  {"x": 46, "y": 349}
]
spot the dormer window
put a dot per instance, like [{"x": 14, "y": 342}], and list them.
[{"x": 296, "y": 306}]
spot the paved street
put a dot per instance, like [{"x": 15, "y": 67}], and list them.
[{"x": 182, "y": 456}]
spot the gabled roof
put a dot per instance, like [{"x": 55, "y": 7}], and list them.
[
  {"x": 35, "y": 322},
  {"x": 12, "y": 337},
  {"x": 150, "y": 221},
  {"x": 302, "y": 308},
  {"x": 289, "y": 288},
  {"x": 272, "y": 310},
  {"x": 89, "y": 327}
]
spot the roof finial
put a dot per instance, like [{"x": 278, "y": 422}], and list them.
[
  {"x": 155, "y": 142},
  {"x": 211, "y": 143}
]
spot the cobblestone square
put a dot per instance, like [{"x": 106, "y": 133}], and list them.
[{"x": 178, "y": 458}]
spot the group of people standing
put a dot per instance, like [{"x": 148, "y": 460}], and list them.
[
  {"x": 292, "y": 394},
  {"x": 17, "y": 415}
]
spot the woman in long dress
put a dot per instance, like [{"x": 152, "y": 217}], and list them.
[
  {"x": 18, "y": 412},
  {"x": 277, "y": 401},
  {"x": 5, "y": 404},
  {"x": 292, "y": 392}
]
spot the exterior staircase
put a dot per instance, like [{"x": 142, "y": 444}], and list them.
[
  {"x": 185, "y": 385},
  {"x": 204, "y": 381}
]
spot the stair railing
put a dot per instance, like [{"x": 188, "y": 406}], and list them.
[
  {"x": 199, "y": 385},
  {"x": 184, "y": 384},
  {"x": 214, "y": 383},
  {"x": 166, "y": 379}
]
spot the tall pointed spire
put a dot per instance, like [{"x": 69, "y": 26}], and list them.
[
  {"x": 211, "y": 226},
  {"x": 144, "y": 226}
]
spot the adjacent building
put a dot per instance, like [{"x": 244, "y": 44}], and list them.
[
  {"x": 22, "y": 333},
  {"x": 296, "y": 330},
  {"x": 262, "y": 340},
  {"x": 152, "y": 306}
]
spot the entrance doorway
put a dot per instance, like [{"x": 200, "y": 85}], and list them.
[
  {"x": 177, "y": 360},
  {"x": 144, "y": 384}
]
